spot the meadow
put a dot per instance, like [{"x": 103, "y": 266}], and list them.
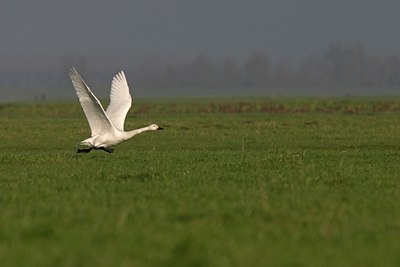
[{"x": 229, "y": 182}]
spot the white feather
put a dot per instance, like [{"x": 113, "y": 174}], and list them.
[
  {"x": 120, "y": 101},
  {"x": 98, "y": 121}
]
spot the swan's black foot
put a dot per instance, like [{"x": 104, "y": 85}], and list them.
[
  {"x": 109, "y": 150},
  {"x": 84, "y": 150}
]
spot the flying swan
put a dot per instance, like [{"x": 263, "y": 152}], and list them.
[{"x": 107, "y": 126}]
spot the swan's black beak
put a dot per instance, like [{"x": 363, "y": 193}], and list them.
[{"x": 160, "y": 128}]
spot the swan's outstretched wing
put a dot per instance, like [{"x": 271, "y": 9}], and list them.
[
  {"x": 120, "y": 101},
  {"x": 97, "y": 118}
]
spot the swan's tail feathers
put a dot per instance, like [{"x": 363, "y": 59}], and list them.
[
  {"x": 89, "y": 142},
  {"x": 84, "y": 146}
]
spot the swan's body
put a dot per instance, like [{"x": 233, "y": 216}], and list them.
[{"x": 107, "y": 126}]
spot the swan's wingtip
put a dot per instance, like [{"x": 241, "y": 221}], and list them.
[
  {"x": 120, "y": 76},
  {"x": 73, "y": 71}
]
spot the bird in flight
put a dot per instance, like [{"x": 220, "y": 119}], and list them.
[{"x": 107, "y": 126}]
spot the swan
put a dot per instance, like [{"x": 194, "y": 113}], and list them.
[{"x": 107, "y": 126}]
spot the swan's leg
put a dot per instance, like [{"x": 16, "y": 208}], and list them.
[
  {"x": 109, "y": 150},
  {"x": 84, "y": 150}
]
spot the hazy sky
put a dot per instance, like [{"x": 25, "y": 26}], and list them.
[{"x": 36, "y": 32}]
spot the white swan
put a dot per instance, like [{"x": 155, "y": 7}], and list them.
[{"x": 107, "y": 126}]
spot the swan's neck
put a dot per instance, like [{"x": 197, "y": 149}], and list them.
[{"x": 131, "y": 134}]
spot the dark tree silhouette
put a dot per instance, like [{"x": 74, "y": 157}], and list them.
[{"x": 256, "y": 70}]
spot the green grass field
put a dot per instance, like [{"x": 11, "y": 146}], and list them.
[{"x": 230, "y": 182}]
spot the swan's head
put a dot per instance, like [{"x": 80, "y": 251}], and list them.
[{"x": 155, "y": 127}]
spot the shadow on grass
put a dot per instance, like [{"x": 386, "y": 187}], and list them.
[{"x": 141, "y": 177}]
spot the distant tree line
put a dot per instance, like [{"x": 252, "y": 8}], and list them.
[{"x": 340, "y": 66}]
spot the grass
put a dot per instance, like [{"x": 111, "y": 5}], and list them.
[{"x": 230, "y": 182}]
